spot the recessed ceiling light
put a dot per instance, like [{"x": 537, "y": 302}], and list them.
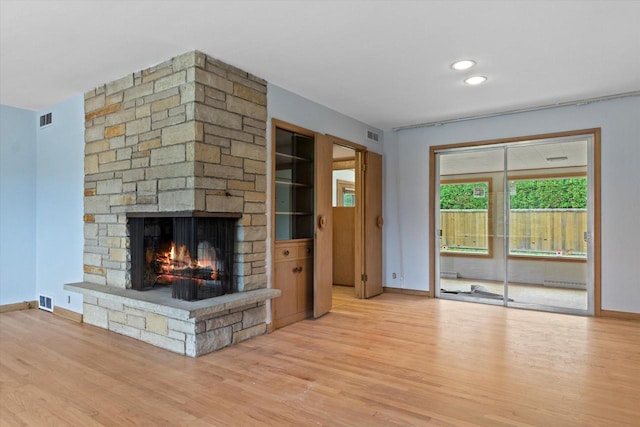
[
  {"x": 465, "y": 64},
  {"x": 475, "y": 80}
]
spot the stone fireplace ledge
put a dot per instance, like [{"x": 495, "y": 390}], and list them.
[
  {"x": 159, "y": 301},
  {"x": 192, "y": 328}
]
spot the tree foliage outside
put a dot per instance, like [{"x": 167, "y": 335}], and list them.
[
  {"x": 562, "y": 193},
  {"x": 559, "y": 193},
  {"x": 461, "y": 196}
]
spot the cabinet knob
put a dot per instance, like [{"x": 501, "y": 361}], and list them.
[
  {"x": 308, "y": 250},
  {"x": 286, "y": 253}
]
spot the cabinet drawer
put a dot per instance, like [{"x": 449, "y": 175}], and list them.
[
  {"x": 286, "y": 252},
  {"x": 306, "y": 251}
]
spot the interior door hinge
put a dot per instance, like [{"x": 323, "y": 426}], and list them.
[
  {"x": 364, "y": 277},
  {"x": 364, "y": 167}
]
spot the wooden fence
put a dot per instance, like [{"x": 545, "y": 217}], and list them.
[
  {"x": 531, "y": 230},
  {"x": 464, "y": 229}
]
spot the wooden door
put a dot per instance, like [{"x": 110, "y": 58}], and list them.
[
  {"x": 323, "y": 238},
  {"x": 372, "y": 225},
  {"x": 344, "y": 245},
  {"x": 286, "y": 305}
]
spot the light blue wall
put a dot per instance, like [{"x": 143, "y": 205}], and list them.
[
  {"x": 17, "y": 205},
  {"x": 289, "y": 107},
  {"x": 42, "y": 175},
  {"x": 407, "y": 213},
  {"x": 59, "y": 195}
]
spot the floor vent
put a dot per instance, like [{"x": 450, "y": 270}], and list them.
[
  {"x": 449, "y": 275},
  {"x": 45, "y": 303},
  {"x": 373, "y": 136},
  {"x": 563, "y": 284}
]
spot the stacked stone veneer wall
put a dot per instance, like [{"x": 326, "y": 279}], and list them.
[{"x": 186, "y": 135}]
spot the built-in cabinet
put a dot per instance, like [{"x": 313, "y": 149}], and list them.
[
  {"x": 294, "y": 200},
  {"x": 294, "y": 212},
  {"x": 293, "y": 275},
  {"x": 303, "y": 223}
]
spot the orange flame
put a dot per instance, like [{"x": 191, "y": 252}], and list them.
[{"x": 180, "y": 259}]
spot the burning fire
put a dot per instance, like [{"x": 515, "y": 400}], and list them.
[{"x": 178, "y": 262}]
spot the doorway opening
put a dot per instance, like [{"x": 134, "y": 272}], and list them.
[
  {"x": 345, "y": 203},
  {"x": 357, "y": 220},
  {"x": 515, "y": 222}
]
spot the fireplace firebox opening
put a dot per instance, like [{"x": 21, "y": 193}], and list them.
[{"x": 193, "y": 253}]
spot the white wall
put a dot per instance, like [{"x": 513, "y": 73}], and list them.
[
  {"x": 340, "y": 175},
  {"x": 41, "y": 205},
  {"x": 59, "y": 199},
  {"x": 407, "y": 173},
  {"x": 17, "y": 205}
]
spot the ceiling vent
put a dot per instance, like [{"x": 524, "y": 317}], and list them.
[
  {"x": 46, "y": 120},
  {"x": 373, "y": 136}
]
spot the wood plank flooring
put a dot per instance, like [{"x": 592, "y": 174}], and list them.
[{"x": 394, "y": 360}]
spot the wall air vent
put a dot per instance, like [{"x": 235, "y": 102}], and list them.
[
  {"x": 46, "y": 120},
  {"x": 45, "y": 303},
  {"x": 449, "y": 274},
  {"x": 564, "y": 284},
  {"x": 373, "y": 136}
]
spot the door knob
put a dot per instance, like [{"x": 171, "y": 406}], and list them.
[
  {"x": 380, "y": 222},
  {"x": 322, "y": 221}
]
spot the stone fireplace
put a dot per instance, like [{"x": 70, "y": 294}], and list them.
[
  {"x": 193, "y": 253},
  {"x": 167, "y": 147}
]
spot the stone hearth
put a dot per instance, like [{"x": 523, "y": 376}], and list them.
[
  {"x": 187, "y": 135},
  {"x": 192, "y": 328}
]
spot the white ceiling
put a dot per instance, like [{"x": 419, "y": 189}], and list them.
[
  {"x": 531, "y": 156},
  {"x": 385, "y": 63}
]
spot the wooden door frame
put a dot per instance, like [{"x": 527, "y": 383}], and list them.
[{"x": 594, "y": 132}]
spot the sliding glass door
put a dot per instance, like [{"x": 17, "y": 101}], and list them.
[
  {"x": 548, "y": 225},
  {"x": 470, "y": 251},
  {"x": 514, "y": 224}
]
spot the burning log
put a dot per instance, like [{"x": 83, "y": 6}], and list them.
[{"x": 205, "y": 273}]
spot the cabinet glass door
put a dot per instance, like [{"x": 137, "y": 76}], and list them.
[{"x": 294, "y": 196}]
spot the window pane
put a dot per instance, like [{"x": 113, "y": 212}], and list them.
[
  {"x": 464, "y": 217},
  {"x": 548, "y": 217}
]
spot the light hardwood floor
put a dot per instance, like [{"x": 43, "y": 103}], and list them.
[{"x": 394, "y": 360}]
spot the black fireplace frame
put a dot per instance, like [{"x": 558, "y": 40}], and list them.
[{"x": 135, "y": 226}]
